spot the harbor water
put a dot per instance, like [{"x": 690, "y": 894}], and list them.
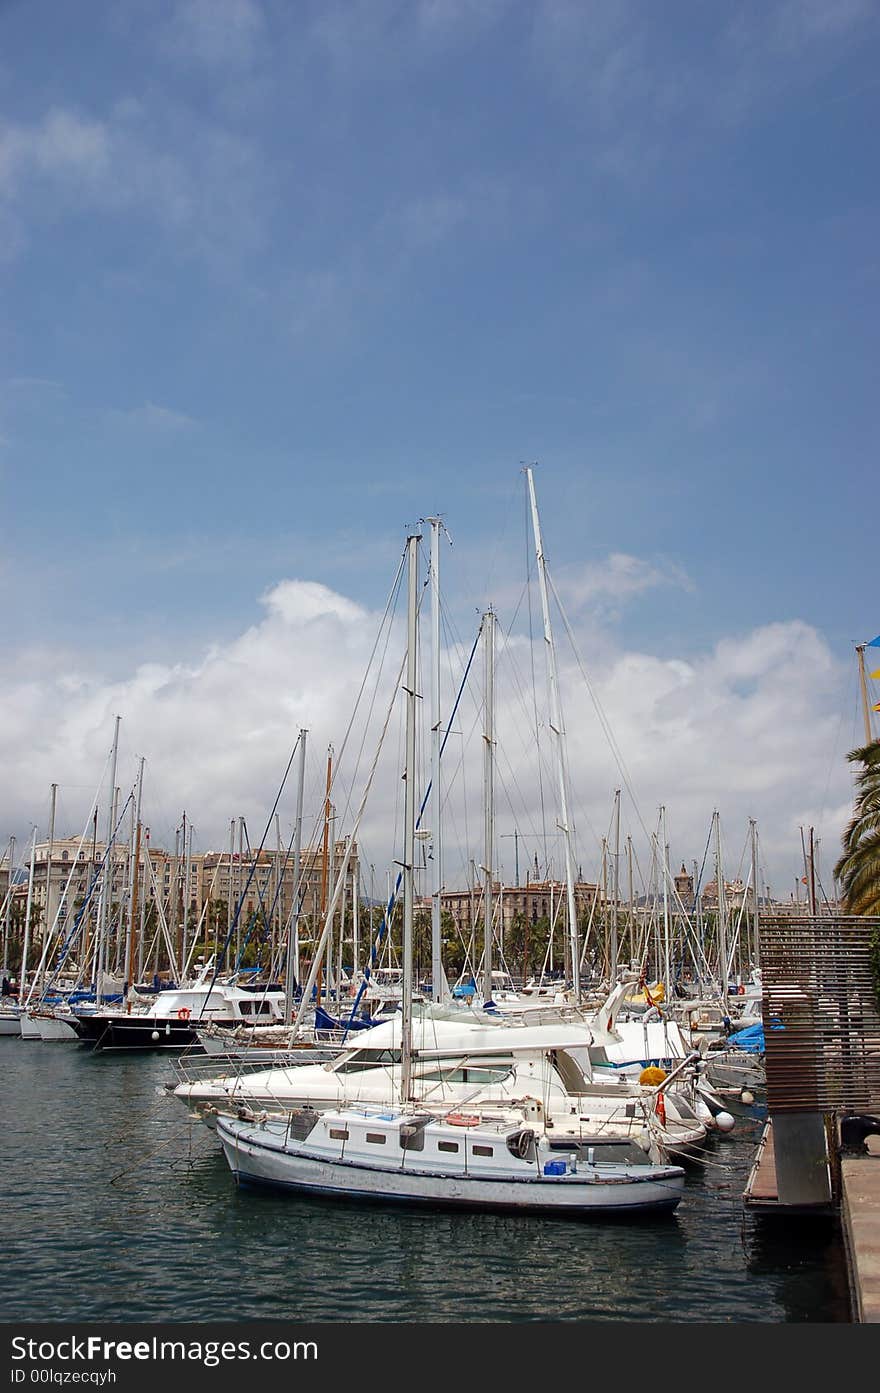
[{"x": 118, "y": 1206}]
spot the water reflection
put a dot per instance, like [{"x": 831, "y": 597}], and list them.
[{"x": 124, "y": 1209}]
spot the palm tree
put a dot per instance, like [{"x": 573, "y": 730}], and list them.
[{"x": 858, "y": 870}]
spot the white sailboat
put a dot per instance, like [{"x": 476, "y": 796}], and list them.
[{"x": 407, "y": 1153}]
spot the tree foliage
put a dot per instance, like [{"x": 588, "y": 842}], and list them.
[{"x": 858, "y": 870}]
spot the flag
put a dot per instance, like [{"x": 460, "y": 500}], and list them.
[
  {"x": 877, "y": 673},
  {"x": 875, "y": 642},
  {"x": 876, "y": 706}
]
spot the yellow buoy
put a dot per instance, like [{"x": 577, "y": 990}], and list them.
[{"x": 651, "y": 1076}]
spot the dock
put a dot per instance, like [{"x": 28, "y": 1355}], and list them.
[
  {"x": 858, "y": 1210},
  {"x": 761, "y": 1195}
]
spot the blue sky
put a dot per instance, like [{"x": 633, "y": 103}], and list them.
[{"x": 278, "y": 280}]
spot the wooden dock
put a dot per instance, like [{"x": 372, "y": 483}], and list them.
[{"x": 761, "y": 1195}]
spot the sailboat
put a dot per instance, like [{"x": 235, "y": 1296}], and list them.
[{"x": 406, "y": 1153}]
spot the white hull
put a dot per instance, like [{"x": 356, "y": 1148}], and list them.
[
  {"x": 53, "y": 1029},
  {"x": 257, "y": 1155},
  {"x": 10, "y": 1023},
  {"x": 30, "y": 1029}
]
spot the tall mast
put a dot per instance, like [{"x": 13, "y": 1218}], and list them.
[
  {"x": 187, "y": 890},
  {"x": 27, "y": 915},
  {"x": 756, "y": 937},
  {"x": 723, "y": 966},
  {"x": 229, "y": 892},
  {"x": 53, "y": 797},
  {"x": 134, "y": 866},
  {"x": 863, "y": 687},
  {"x": 11, "y": 850},
  {"x": 667, "y": 981},
  {"x": 488, "y": 794},
  {"x": 107, "y": 878},
  {"x": 325, "y": 863},
  {"x": 293, "y": 937},
  {"x": 558, "y": 731},
  {"x": 615, "y": 887},
  {"x": 437, "y": 980},
  {"x": 409, "y": 819}
]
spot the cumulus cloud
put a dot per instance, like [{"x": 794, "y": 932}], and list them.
[
  {"x": 198, "y": 182},
  {"x": 734, "y": 728},
  {"x": 618, "y": 577}
]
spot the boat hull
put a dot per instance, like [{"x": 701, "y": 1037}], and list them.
[
  {"x": 256, "y": 1164},
  {"x": 110, "y": 1032}
]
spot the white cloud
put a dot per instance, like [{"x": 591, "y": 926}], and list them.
[
  {"x": 198, "y": 182},
  {"x": 748, "y": 726},
  {"x": 619, "y": 577}
]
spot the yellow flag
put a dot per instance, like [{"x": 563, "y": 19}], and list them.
[{"x": 877, "y": 673}]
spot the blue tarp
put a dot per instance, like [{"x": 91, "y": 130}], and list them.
[{"x": 752, "y": 1038}]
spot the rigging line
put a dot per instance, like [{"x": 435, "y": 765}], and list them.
[
  {"x": 376, "y": 945},
  {"x": 390, "y": 605},
  {"x": 234, "y": 925},
  {"x": 331, "y": 907},
  {"x": 65, "y": 945},
  {"x": 532, "y": 660},
  {"x": 609, "y": 735},
  {"x": 50, "y": 934}
]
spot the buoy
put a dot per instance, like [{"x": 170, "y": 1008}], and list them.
[
  {"x": 746, "y": 1096},
  {"x": 155, "y": 1035},
  {"x": 724, "y": 1122}
]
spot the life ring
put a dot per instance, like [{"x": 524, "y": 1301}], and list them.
[
  {"x": 463, "y": 1119},
  {"x": 660, "y": 1109},
  {"x": 184, "y": 1013}
]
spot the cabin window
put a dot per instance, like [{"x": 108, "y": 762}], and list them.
[
  {"x": 447, "y": 1146},
  {"x": 339, "y": 1134},
  {"x": 483, "y": 1150},
  {"x": 412, "y": 1136},
  {"x": 368, "y": 1059},
  {"x": 378, "y": 1137}
]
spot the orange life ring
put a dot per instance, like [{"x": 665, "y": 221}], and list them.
[
  {"x": 463, "y": 1119},
  {"x": 660, "y": 1109},
  {"x": 184, "y": 1013}
]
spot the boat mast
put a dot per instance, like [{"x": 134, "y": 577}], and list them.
[
  {"x": 134, "y": 867},
  {"x": 558, "y": 731},
  {"x": 409, "y": 819},
  {"x": 863, "y": 687},
  {"x": 756, "y": 938},
  {"x": 106, "y": 879},
  {"x": 667, "y": 981},
  {"x": 488, "y": 794},
  {"x": 27, "y": 916},
  {"x": 721, "y": 899},
  {"x": 437, "y": 979},
  {"x": 53, "y": 797},
  {"x": 615, "y": 888},
  {"x": 325, "y": 868},
  {"x": 293, "y": 936},
  {"x": 8, "y": 904}
]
